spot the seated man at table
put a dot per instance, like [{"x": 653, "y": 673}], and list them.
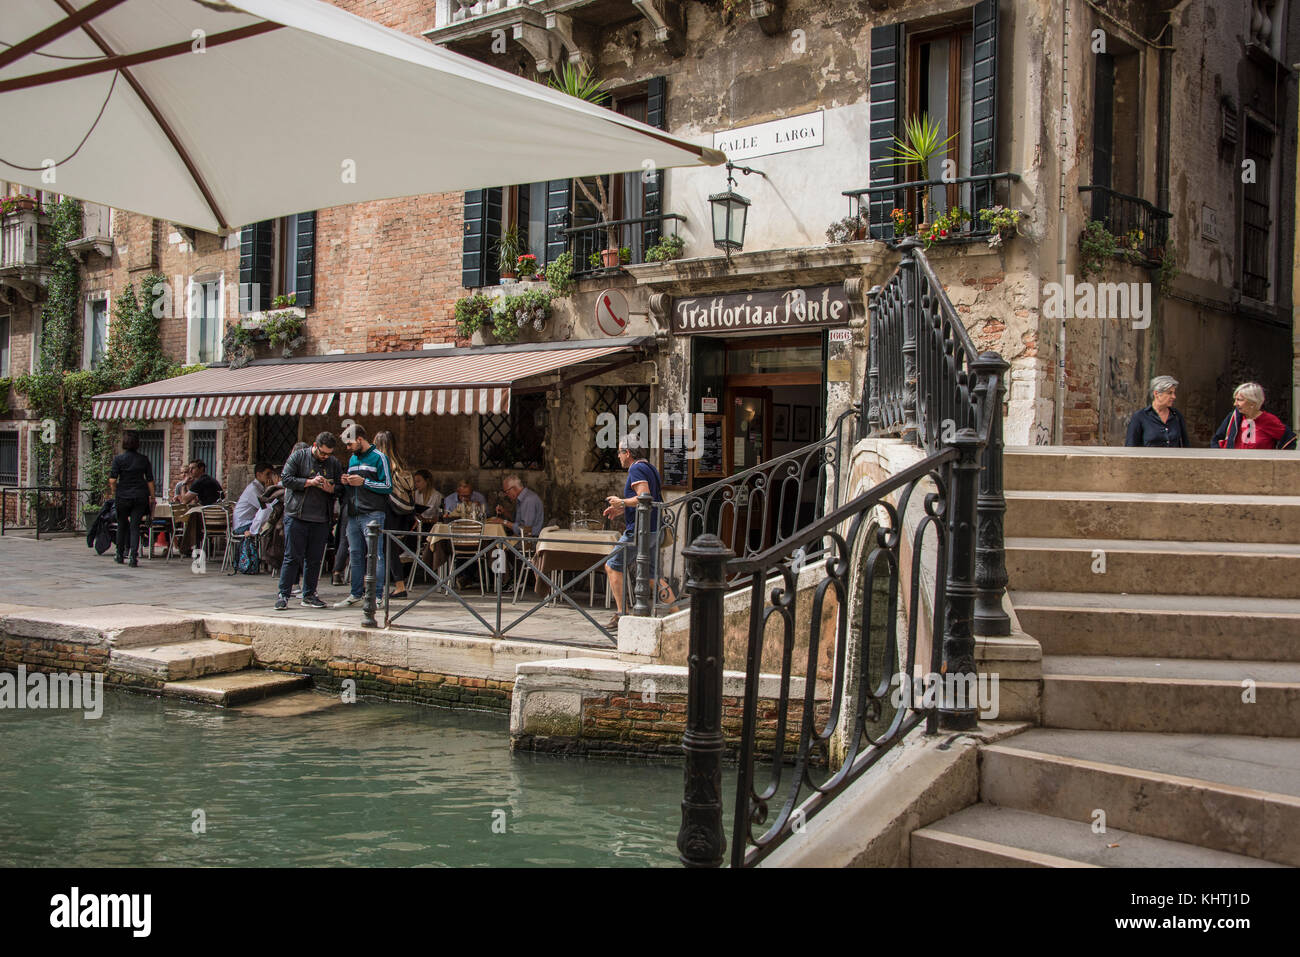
[
  {"x": 528, "y": 507},
  {"x": 204, "y": 489},
  {"x": 251, "y": 499},
  {"x": 465, "y": 495},
  {"x": 183, "y": 485}
]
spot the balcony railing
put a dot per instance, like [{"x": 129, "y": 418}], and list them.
[
  {"x": 922, "y": 200},
  {"x": 627, "y": 235},
  {"x": 1140, "y": 227}
]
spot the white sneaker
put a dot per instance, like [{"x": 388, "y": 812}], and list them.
[{"x": 349, "y": 601}]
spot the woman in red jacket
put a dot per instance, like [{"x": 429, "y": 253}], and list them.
[{"x": 1249, "y": 427}]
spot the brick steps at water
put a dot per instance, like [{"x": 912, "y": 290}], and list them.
[
  {"x": 236, "y": 687},
  {"x": 985, "y": 835},
  {"x": 182, "y": 659}
]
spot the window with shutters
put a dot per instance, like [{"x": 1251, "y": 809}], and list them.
[
  {"x": 1258, "y": 203},
  {"x": 277, "y": 257},
  {"x": 516, "y": 440},
  {"x": 542, "y": 211},
  {"x": 4, "y": 348},
  {"x": 946, "y": 69}
]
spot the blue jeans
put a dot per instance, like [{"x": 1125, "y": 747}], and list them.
[{"x": 357, "y": 552}]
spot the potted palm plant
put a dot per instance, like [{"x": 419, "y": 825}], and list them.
[
  {"x": 509, "y": 248},
  {"x": 921, "y": 145},
  {"x": 582, "y": 85}
]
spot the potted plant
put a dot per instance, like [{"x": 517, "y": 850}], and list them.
[
  {"x": 526, "y": 266},
  {"x": 49, "y": 514},
  {"x": 237, "y": 345},
  {"x": 472, "y": 313},
  {"x": 1003, "y": 221},
  {"x": 844, "y": 230},
  {"x": 668, "y": 248},
  {"x": 509, "y": 248},
  {"x": 921, "y": 145},
  {"x": 559, "y": 274}
]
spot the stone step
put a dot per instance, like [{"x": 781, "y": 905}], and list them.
[
  {"x": 1150, "y": 568},
  {"x": 236, "y": 687},
  {"x": 1161, "y": 626},
  {"x": 985, "y": 835},
  {"x": 1224, "y": 792},
  {"x": 1154, "y": 516},
  {"x": 1182, "y": 695},
  {"x": 185, "y": 659},
  {"x": 1211, "y": 471}
]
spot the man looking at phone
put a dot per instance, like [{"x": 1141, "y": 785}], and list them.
[{"x": 310, "y": 479}]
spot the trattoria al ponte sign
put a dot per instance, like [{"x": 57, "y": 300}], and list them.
[{"x": 809, "y": 307}]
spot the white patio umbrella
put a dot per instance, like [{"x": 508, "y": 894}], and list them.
[{"x": 215, "y": 116}]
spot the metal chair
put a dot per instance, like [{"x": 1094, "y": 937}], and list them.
[
  {"x": 216, "y": 525},
  {"x": 467, "y": 539},
  {"x": 163, "y": 520}
]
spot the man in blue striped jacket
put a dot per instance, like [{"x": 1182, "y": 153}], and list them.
[{"x": 369, "y": 480}]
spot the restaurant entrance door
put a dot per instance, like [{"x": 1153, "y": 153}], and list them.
[{"x": 772, "y": 398}]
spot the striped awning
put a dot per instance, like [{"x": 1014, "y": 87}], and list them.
[
  {"x": 494, "y": 401},
  {"x": 450, "y": 382}
]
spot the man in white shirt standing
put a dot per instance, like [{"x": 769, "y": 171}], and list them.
[{"x": 251, "y": 499}]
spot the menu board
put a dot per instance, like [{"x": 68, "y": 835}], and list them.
[
  {"x": 710, "y": 462},
  {"x": 676, "y": 467}
]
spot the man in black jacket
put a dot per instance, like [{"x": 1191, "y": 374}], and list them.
[{"x": 311, "y": 481}]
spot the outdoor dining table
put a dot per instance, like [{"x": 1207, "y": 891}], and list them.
[
  {"x": 571, "y": 550},
  {"x": 438, "y": 539}
]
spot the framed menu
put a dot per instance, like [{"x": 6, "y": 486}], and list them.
[
  {"x": 676, "y": 467},
  {"x": 711, "y": 464}
]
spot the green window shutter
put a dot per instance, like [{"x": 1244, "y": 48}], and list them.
[
  {"x": 886, "y": 64},
  {"x": 256, "y": 252},
  {"x": 557, "y": 219},
  {"x": 984, "y": 101},
  {"x": 656, "y": 116},
  {"x": 306, "y": 255},
  {"x": 482, "y": 230}
]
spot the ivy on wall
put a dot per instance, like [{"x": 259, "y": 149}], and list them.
[{"x": 59, "y": 389}]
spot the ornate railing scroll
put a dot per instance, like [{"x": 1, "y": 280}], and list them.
[
  {"x": 752, "y": 510},
  {"x": 928, "y": 384}
]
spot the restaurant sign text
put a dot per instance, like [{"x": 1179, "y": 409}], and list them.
[{"x": 747, "y": 311}]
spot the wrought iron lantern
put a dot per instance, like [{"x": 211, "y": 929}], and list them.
[{"x": 730, "y": 213}]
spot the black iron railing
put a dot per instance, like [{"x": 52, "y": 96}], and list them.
[
  {"x": 752, "y": 511},
  {"x": 501, "y": 610},
  {"x": 948, "y": 398},
  {"x": 921, "y": 201},
  {"x": 625, "y": 236},
  {"x": 44, "y": 508},
  {"x": 1141, "y": 229}
]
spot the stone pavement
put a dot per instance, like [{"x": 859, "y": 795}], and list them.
[{"x": 64, "y": 573}]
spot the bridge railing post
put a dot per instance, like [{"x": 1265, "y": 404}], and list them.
[
  {"x": 700, "y": 839},
  {"x": 990, "y": 550}
]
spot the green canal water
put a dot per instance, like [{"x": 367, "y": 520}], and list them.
[{"x": 369, "y": 784}]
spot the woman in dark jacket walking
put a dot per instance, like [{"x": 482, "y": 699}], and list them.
[{"x": 130, "y": 483}]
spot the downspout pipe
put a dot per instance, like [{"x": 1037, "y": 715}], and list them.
[{"x": 1062, "y": 228}]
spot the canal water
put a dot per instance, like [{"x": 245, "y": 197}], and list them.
[{"x": 299, "y": 784}]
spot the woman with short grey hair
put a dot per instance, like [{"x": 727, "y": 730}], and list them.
[
  {"x": 1248, "y": 426},
  {"x": 1159, "y": 425}
]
